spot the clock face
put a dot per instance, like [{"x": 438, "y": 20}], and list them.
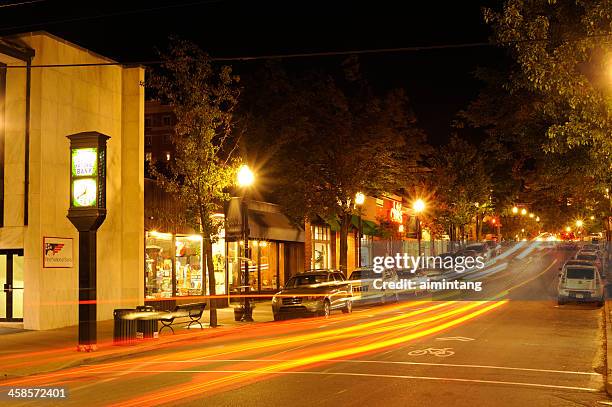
[{"x": 84, "y": 192}]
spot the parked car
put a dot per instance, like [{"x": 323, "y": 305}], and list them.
[
  {"x": 362, "y": 283},
  {"x": 592, "y": 257},
  {"x": 580, "y": 283},
  {"x": 481, "y": 249},
  {"x": 315, "y": 292}
]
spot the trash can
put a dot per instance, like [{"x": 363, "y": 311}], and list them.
[
  {"x": 238, "y": 313},
  {"x": 124, "y": 329},
  {"x": 146, "y": 328}
]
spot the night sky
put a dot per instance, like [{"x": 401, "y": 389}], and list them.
[{"x": 439, "y": 82}]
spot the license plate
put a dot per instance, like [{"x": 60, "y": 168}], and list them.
[{"x": 579, "y": 295}]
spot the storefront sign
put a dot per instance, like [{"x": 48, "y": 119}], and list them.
[
  {"x": 395, "y": 213},
  {"x": 57, "y": 252}
]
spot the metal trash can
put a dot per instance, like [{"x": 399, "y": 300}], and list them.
[
  {"x": 146, "y": 328},
  {"x": 124, "y": 329}
]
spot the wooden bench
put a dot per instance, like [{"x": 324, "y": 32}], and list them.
[{"x": 189, "y": 314}]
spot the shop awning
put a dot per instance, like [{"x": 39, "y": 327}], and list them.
[
  {"x": 273, "y": 226},
  {"x": 367, "y": 226}
]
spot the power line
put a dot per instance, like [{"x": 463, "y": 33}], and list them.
[
  {"x": 23, "y": 3},
  {"x": 316, "y": 54}
]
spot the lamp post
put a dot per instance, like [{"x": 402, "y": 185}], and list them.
[
  {"x": 245, "y": 180},
  {"x": 87, "y": 212},
  {"x": 418, "y": 206},
  {"x": 359, "y": 201}
]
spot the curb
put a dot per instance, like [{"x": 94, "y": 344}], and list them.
[{"x": 608, "y": 342}]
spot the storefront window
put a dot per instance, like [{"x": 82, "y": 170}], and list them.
[
  {"x": 189, "y": 265},
  {"x": 263, "y": 265},
  {"x": 268, "y": 265},
  {"x": 218, "y": 255},
  {"x": 233, "y": 266},
  {"x": 366, "y": 251},
  {"x": 158, "y": 265},
  {"x": 320, "y": 247}
]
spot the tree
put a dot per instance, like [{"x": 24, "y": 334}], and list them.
[
  {"x": 329, "y": 137},
  {"x": 563, "y": 57},
  {"x": 203, "y": 98},
  {"x": 462, "y": 186}
]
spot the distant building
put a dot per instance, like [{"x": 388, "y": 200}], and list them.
[
  {"x": 159, "y": 126},
  {"x": 39, "y": 107}
]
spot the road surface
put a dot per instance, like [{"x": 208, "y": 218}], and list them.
[{"x": 513, "y": 347}]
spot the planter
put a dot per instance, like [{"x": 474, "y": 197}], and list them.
[{"x": 239, "y": 312}]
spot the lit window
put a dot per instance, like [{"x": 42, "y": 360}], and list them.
[
  {"x": 148, "y": 156},
  {"x": 167, "y": 156}
]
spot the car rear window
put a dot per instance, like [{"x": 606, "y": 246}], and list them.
[
  {"x": 589, "y": 257},
  {"x": 298, "y": 281},
  {"x": 580, "y": 274},
  {"x": 359, "y": 274}
]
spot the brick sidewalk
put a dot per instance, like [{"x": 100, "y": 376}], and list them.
[{"x": 26, "y": 352}]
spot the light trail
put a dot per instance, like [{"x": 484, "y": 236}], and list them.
[{"x": 168, "y": 396}]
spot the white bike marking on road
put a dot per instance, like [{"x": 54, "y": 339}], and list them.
[
  {"x": 385, "y": 376},
  {"x": 439, "y": 352},
  {"x": 526, "y": 369},
  {"x": 456, "y": 338}
]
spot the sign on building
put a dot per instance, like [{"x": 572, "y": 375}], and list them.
[{"x": 57, "y": 252}]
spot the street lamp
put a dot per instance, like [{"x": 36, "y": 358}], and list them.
[
  {"x": 359, "y": 200},
  {"x": 515, "y": 210},
  {"x": 537, "y": 218},
  {"x": 531, "y": 215},
  {"x": 245, "y": 179},
  {"x": 418, "y": 206},
  {"x": 523, "y": 212},
  {"x": 579, "y": 223},
  {"x": 87, "y": 212},
  {"x": 568, "y": 229}
]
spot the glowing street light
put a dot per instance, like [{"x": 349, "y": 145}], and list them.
[
  {"x": 568, "y": 229},
  {"x": 515, "y": 210},
  {"x": 418, "y": 206},
  {"x": 592, "y": 217},
  {"x": 537, "y": 218},
  {"x": 531, "y": 215},
  {"x": 579, "y": 223},
  {"x": 359, "y": 200},
  {"x": 523, "y": 211},
  {"x": 245, "y": 176}
]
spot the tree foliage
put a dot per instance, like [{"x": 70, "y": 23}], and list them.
[
  {"x": 203, "y": 99},
  {"x": 549, "y": 112},
  {"x": 329, "y": 137}
]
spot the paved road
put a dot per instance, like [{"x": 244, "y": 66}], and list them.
[{"x": 519, "y": 349}]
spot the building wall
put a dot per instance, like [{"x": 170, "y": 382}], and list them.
[{"x": 107, "y": 99}]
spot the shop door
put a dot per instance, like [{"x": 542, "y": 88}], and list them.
[{"x": 11, "y": 285}]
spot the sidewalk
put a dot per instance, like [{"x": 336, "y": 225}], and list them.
[{"x": 24, "y": 352}]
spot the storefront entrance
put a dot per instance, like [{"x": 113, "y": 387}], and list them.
[{"x": 11, "y": 284}]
